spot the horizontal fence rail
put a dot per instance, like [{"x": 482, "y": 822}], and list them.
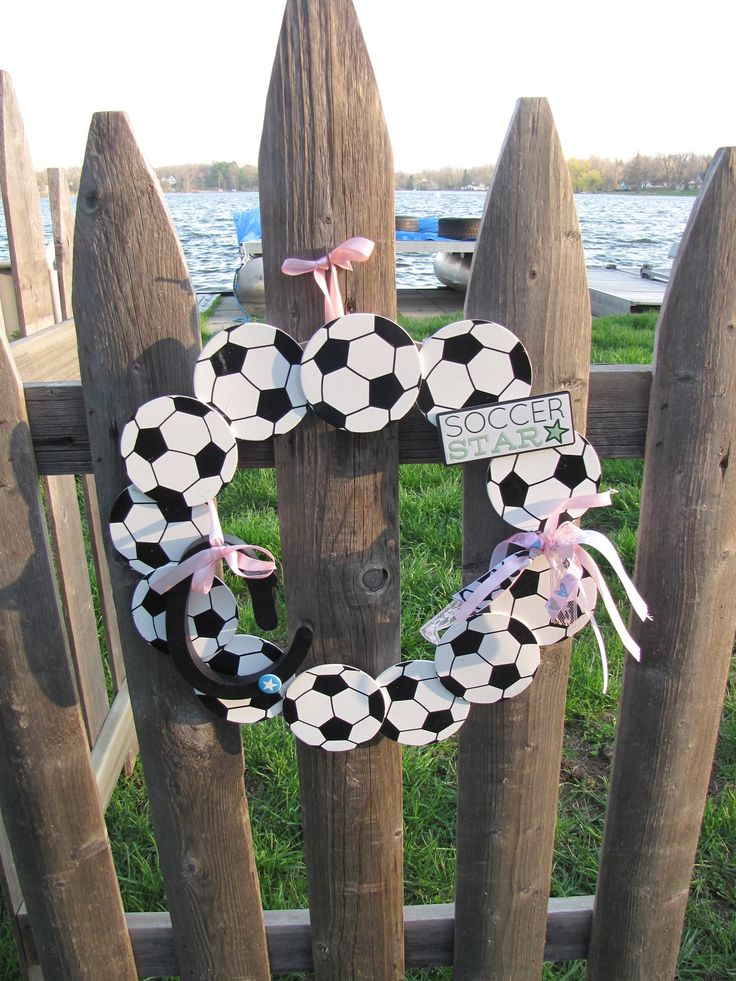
[
  {"x": 616, "y": 424},
  {"x": 428, "y": 936}
]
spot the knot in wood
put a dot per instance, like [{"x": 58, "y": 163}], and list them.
[
  {"x": 92, "y": 199},
  {"x": 375, "y": 579}
]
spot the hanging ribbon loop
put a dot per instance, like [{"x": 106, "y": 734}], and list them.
[
  {"x": 324, "y": 269},
  {"x": 202, "y": 565}
]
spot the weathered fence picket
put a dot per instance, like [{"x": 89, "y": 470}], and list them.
[
  {"x": 138, "y": 337},
  {"x": 528, "y": 273},
  {"x": 62, "y": 223},
  {"x": 48, "y": 795},
  {"x": 31, "y": 278},
  {"x": 326, "y": 175},
  {"x": 671, "y": 703},
  {"x": 338, "y": 494}
]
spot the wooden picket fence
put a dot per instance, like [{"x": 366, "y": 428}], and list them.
[{"x": 326, "y": 174}]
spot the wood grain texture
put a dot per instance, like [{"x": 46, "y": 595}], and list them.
[
  {"x": 62, "y": 226},
  {"x": 528, "y": 273},
  {"x": 46, "y": 779},
  {"x": 328, "y": 175},
  {"x": 686, "y": 570},
  {"x": 48, "y": 355},
  {"x": 22, "y": 207},
  {"x": 58, "y": 420},
  {"x": 137, "y": 330}
]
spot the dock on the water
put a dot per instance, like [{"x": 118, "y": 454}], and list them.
[
  {"x": 611, "y": 291},
  {"x": 427, "y": 302},
  {"x": 619, "y": 291}
]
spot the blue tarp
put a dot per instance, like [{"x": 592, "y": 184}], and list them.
[
  {"x": 248, "y": 225},
  {"x": 248, "y": 228}
]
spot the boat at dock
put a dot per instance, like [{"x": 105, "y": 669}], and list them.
[{"x": 612, "y": 290}]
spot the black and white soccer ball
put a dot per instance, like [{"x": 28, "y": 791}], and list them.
[
  {"x": 361, "y": 372},
  {"x": 419, "y": 709},
  {"x": 487, "y": 658},
  {"x": 149, "y": 534},
  {"x": 245, "y": 711},
  {"x": 245, "y": 654},
  {"x": 526, "y": 488},
  {"x": 526, "y": 600},
  {"x": 149, "y": 615},
  {"x": 179, "y": 451},
  {"x": 472, "y": 362},
  {"x": 251, "y": 374},
  {"x": 212, "y": 618},
  {"x": 498, "y": 563},
  {"x": 334, "y": 706}
]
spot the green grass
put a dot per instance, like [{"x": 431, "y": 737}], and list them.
[
  {"x": 430, "y": 501},
  {"x": 205, "y": 316}
]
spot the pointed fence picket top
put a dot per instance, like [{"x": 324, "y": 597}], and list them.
[
  {"x": 327, "y": 175},
  {"x": 671, "y": 702},
  {"x": 23, "y": 216},
  {"x": 528, "y": 274},
  {"x": 138, "y": 334},
  {"x": 48, "y": 794}
]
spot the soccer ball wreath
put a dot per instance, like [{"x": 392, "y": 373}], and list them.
[{"x": 359, "y": 372}]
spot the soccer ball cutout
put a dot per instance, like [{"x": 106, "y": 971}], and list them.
[
  {"x": 419, "y": 709},
  {"x": 245, "y": 711},
  {"x": 179, "y": 451},
  {"x": 526, "y": 488},
  {"x": 334, "y": 706},
  {"x": 472, "y": 362},
  {"x": 251, "y": 373},
  {"x": 149, "y": 535},
  {"x": 466, "y": 592},
  {"x": 245, "y": 654},
  {"x": 149, "y": 615},
  {"x": 211, "y": 619},
  {"x": 361, "y": 372},
  {"x": 487, "y": 658},
  {"x": 525, "y": 600}
]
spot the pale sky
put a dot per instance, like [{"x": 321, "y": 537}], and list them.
[{"x": 620, "y": 78}]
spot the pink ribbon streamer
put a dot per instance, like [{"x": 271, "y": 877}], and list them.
[
  {"x": 324, "y": 270},
  {"x": 563, "y": 546},
  {"x": 202, "y": 565}
]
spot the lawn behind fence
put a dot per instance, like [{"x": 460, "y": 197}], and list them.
[{"x": 431, "y": 523}]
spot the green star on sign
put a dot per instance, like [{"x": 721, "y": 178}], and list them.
[{"x": 555, "y": 432}]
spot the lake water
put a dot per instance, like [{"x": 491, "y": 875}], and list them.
[{"x": 625, "y": 229}]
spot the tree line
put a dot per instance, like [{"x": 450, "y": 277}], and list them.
[{"x": 668, "y": 171}]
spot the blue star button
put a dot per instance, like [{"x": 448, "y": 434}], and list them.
[{"x": 270, "y": 684}]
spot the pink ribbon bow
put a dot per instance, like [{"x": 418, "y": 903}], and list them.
[
  {"x": 202, "y": 565},
  {"x": 324, "y": 269},
  {"x": 563, "y": 547}
]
